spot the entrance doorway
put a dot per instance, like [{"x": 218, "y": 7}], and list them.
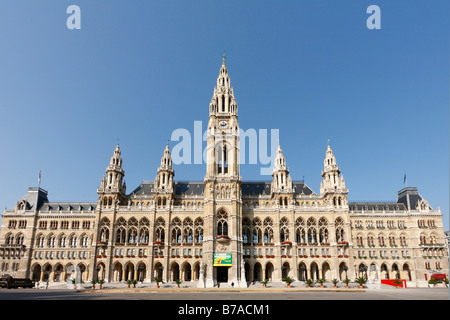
[{"x": 222, "y": 274}]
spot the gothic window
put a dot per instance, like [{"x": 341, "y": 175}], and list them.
[
  {"x": 40, "y": 241},
  {"x": 222, "y": 223},
  {"x": 433, "y": 239},
  {"x": 257, "y": 230},
  {"x": 359, "y": 240},
  {"x": 120, "y": 234},
  {"x": 187, "y": 230},
  {"x": 51, "y": 241},
  {"x": 198, "y": 225},
  {"x": 132, "y": 235},
  {"x": 159, "y": 230},
  {"x": 144, "y": 230},
  {"x": 19, "y": 239},
  {"x": 9, "y": 239},
  {"x": 339, "y": 224},
  {"x": 370, "y": 240},
  {"x": 104, "y": 231},
  {"x": 246, "y": 230},
  {"x": 312, "y": 230},
  {"x": 268, "y": 230},
  {"x": 300, "y": 230},
  {"x": 323, "y": 230},
  {"x": 284, "y": 230},
  {"x": 62, "y": 241},
  {"x": 391, "y": 240},
  {"x": 176, "y": 230},
  {"x": 84, "y": 241},
  {"x": 73, "y": 241},
  {"x": 221, "y": 154},
  {"x": 402, "y": 240}
]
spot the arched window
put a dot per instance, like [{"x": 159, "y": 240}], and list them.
[
  {"x": 246, "y": 230},
  {"x": 268, "y": 230},
  {"x": 300, "y": 230},
  {"x": 187, "y": 230},
  {"x": 284, "y": 230},
  {"x": 51, "y": 241},
  {"x": 339, "y": 224},
  {"x": 222, "y": 223},
  {"x": 198, "y": 225},
  {"x": 159, "y": 230},
  {"x": 176, "y": 230},
  {"x": 257, "y": 233},
  {"x": 323, "y": 230},
  {"x": 312, "y": 230}
]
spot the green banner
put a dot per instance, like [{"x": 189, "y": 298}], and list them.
[{"x": 222, "y": 260}]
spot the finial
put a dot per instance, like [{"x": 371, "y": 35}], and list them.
[
  {"x": 329, "y": 142},
  {"x": 223, "y": 57}
]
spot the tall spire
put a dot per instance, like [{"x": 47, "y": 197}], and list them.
[
  {"x": 112, "y": 185},
  {"x": 223, "y": 101},
  {"x": 333, "y": 181},
  {"x": 164, "y": 177},
  {"x": 114, "y": 172},
  {"x": 223, "y": 129},
  {"x": 280, "y": 173}
]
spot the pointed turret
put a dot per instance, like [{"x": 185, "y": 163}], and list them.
[
  {"x": 282, "y": 189},
  {"x": 333, "y": 185},
  {"x": 280, "y": 173},
  {"x": 112, "y": 186},
  {"x": 223, "y": 101},
  {"x": 164, "y": 178},
  {"x": 163, "y": 189},
  {"x": 114, "y": 172}
]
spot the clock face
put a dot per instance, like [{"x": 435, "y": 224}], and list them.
[{"x": 223, "y": 124}]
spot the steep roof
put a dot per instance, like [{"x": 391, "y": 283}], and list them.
[{"x": 250, "y": 188}]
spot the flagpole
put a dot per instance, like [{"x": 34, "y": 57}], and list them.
[{"x": 405, "y": 181}]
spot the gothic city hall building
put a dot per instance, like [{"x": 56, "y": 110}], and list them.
[{"x": 222, "y": 230}]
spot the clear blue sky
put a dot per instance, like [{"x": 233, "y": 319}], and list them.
[{"x": 137, "y": 70}]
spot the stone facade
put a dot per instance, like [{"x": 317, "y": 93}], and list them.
[{"x": 265, "y": 230}]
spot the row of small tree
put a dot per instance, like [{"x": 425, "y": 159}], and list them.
[{"x": 309, "y": 282}]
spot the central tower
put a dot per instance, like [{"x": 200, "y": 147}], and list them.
[{"x": 223, "y": 205}]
